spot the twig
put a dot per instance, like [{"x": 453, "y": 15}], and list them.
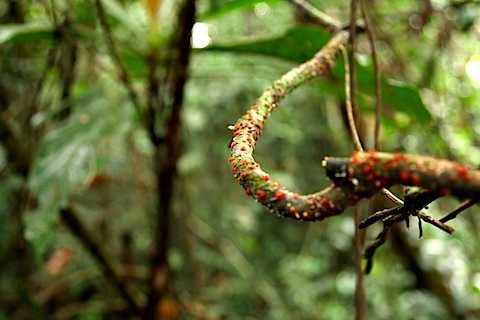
[
  {"x": 382, "y": 237},
  {"x": 52, "y": 56},
  {"x": 124, "y": 76},
  {"x": 166, "y": 158},
  {"x": 379, "y": 215},
  {"x": 353, "y": 128},
  {"x": 390, "y": 195},
  {"x": 77, "y": 228},
  {"x": 370, "y": 250},
  {"x": 376, "y": 68},
  {"x": 361, "y": 301},
  {"x": 465, "y": 205},
  {"x": 437, "y": 223},
  {"x": 351, "y": 105},
  {"x": 351, "y": 85},
  {"x": 348, "y": 102},
  {"x": 351, "y": 119},
  {"x": 330, "y": 24},
  {"x": 68, "y": 71},
  {"x": 414, "y": 201},
  {"x": 352, "y": 109}
]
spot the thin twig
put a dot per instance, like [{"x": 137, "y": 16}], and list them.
[
  {"x": 124, "y": 76},
  {"x": 52, "y": 57},
  {"x": 360, "y": 290},
  {"x": 68, "y": 68},
  {"x": 390, "y": 195},
  {"x": 376, "y": 68},
  {"x": 414, "y": 202},
  {"x": 348, "y": 102},
  {"x": 379, "y": 215},
  {"x": 330, "y": 24},
  {"x": 352, "y": 107},
  {"x": 465, "y": 205},
  {"x": 351, "y": 104},
  {"x": 167, "y": 155},
  {"x": 370, "y": 250},
  {"x": 79, "y": 230},
  {"x": 350, "y": 89},
  {"x": 353, "y": 128},
  {"x": 437, "y": 223}
]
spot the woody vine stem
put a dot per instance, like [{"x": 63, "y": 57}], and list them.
[{"x": 361, "y": 176}]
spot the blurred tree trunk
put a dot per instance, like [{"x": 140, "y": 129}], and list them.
[{"x": 160, "y": 306}]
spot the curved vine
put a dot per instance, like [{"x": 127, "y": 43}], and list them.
[{"x": 354, "y": 178}]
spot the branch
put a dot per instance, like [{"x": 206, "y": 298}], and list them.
[
  {"x": 360, "y": 176},
  {"x": 467, "y": 204},
  {"x": 166, "y": 158},
  {"x": 248, "y": 129},
  {"x": 124, "y": 76},
  {"x": 324, "y": 20},
  {"x": 376, "y": 67},
  {"x": 415, "y": 199},
  {"x": 350, "y": 103},
  {"x": 382, "y": 170},
  {"x": 76, "y": 227}
]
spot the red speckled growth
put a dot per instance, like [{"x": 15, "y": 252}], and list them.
[
  {"x": 363, "y": 174},
  {"x": 248, "y": 129}
]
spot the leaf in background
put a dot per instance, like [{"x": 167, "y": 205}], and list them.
[
  {"x": 231, "y": 5},
  {"x": 399, "y": 95},
  {"x": 297, "y": 44},
  {"x": 24, "y": 32},
  {"x": 66, "y": 159},
  {"x": 405, "y": 97},
  {"x": 134, "y": 62},
  {"x": 117, "y": 11},
  {"x": 301, "y": 43}
]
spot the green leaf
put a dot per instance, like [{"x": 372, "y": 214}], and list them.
[
  {"x": 297, "y": 44},
  {"x": 231, "y": 5},
  {"x": 24, "y": 32},
  {"x": 399, "y": 95},
  {"x": 118, "y": 12},
  {"x": 134, "y": 62},
  {"x": 66, "y": 159},
  {"x": 301, "y": 43},
  {"x": 404, "y": 97}
]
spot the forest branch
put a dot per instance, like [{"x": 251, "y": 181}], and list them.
[
  {"x": 248, "y": 129},
  {"x": 123, "y": 74},
  {"x": 166, "y": 158},
  {"x": 357, "y": 177},
  {"x": 324, "y": 20},
  {"x": 79, "y": 230}
]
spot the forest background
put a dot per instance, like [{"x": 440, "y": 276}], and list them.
[{"x": 116, "y": 195}]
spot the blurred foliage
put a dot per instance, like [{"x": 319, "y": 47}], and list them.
[
  {"x": 66, "y": 157},
  {"x": 301, "y": 43},
  {"x": 229, "y": 258}
]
